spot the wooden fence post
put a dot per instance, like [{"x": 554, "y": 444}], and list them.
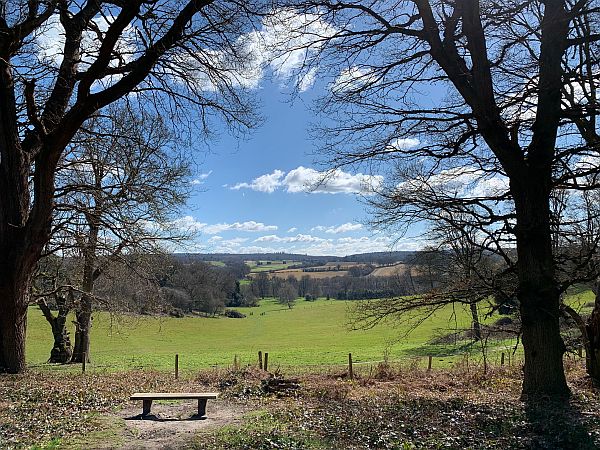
[
  {"x": 176, "y": 366},
  {"x": 266, "y": 362},
  {"x": 429, "y": 363},
  {"x": 502, "y": 359},
  {"x": 260, "y": 360},
  {"x": 350, "y": 372}
]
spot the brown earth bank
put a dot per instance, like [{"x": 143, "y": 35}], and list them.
[{"x": 391, "y": 407}]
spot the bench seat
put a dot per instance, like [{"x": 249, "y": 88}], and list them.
[{"x": 148, "y": 397}]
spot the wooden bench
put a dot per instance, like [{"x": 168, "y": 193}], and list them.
[{"x": 147, "y": 398}]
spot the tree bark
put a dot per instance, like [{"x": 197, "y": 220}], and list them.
[
  {"x": 83, "y": 326},
  {"x": 15, "y": 267},
  {"x": 61, "y": 350},
  {"x": 475, "y": 322},
  {"x": 593, "y": 339},
  {"x": 83, "y": 314},
  {"x": 13, "y": 329},
  {"x": 538, "y": 291}
]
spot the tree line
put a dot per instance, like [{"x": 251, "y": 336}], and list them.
[{"x": 158, "y": 284}]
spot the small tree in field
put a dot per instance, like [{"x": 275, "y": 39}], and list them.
[
  {"x": 118, "y": 186},
  {"x": 287, "y": 295}
]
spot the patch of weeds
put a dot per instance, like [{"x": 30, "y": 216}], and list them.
[
  {"x": 262, "y": 430},
  {"x": 52, "y": 445},
  {"x": 108, "y": 434},
  {"x": 392, "y": 421},
  {"x": 443, "y": 350}
]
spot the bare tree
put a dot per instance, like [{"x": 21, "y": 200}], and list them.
[
  {"x": 52, "y": 284},
  {"x": 206, "y": 286},
  {"x": 287, "y": 294},
  {"x": 465, "y": 259},
  {"x": 60, "y": 62},
  {"x": 119, "y": 186},
  {"x": 519, "y": 96}
]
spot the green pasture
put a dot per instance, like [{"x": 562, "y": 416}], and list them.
[
  {"x": 217, "y": 263},
  {"x": 310, "y": 334},
  {"x": 264, "y": 267}
]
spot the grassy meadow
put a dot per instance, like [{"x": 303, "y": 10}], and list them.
[
  {"x": 416, "y": 404},
  {"x": 311, "y": 334},
  {"x": 267, "y": 266}
]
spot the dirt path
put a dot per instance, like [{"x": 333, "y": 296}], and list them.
[{"x": 172, "y": 426}]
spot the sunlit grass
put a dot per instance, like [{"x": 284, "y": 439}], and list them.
[{"x": 310, "y": 334}]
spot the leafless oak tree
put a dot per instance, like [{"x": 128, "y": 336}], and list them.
[
  {"x": 483, "y": 108},
  {"x": 119, "y": 186}
]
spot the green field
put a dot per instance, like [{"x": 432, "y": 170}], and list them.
[
  {"x": 311, "y": 334},
  {"x": 216, "y": 263},
  {"x": 264, "y": 267}
]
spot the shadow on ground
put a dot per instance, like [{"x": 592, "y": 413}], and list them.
[{"x": 560, "y": 425}]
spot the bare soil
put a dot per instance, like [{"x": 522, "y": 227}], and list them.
[{"x": 173, "y": 425}]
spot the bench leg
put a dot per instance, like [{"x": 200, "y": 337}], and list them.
[
  {"x": 147, "y": 406},
  {"x": 201, "y": 407}
]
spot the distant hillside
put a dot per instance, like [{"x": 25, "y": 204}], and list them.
[
  {"x": 379, "y": 257},
  {"x": 373, "y": 257}
]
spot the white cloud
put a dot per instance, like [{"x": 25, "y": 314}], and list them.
[
  {"x": 351, "y": 79},
  {"x": 335, "y": 247},
  {"x": 188, "y": 223},
  {"x": 404, "y": 144},
  {"x": 265, "y": 183},
  {"x": 226, "y": 245},
  {"x": 289, "y": 39},
  {"x": 459, "y": 182},
  {"x": 282, "y": 45},
  {"x": 249, "y": 226},
  {"x": 344, "y": 228},
  {"x": 201, "y": 178},
  {"x": 50, "y": 40},
  {"x": 306, "y": 244},
  {"x": 588, "y": 162},
  {"x": 292, "y": 230},
  {"x": 304, "y": 179},
  {"x": 289, "y": 239}
]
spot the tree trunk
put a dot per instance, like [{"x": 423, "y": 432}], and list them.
[
  {"x": 538, "y": 292},
  {"x": 83, "y": 326},
  {"x": 475, "y": 322},
  {"x": 13, "y": 329},
  {"x": 84, "y": 311},
  {"x": 16, "y": 268},
  {"x": 16, "y": 253},
  {"x": 593, "y": 339},
  {"x": 61, "y": 350}
]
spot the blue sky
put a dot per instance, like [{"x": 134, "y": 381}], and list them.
[{"x": 252, "y": 195}]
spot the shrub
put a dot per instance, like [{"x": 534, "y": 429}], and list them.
[{"x": 232, "y": 313}]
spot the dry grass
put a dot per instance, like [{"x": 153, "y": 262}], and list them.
[
  {"x": 390, "y": 406},
  {"x": 408, "y": 408},
  {"x": 298, "y": 274},
  {"x": 390, "y": 271}
]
